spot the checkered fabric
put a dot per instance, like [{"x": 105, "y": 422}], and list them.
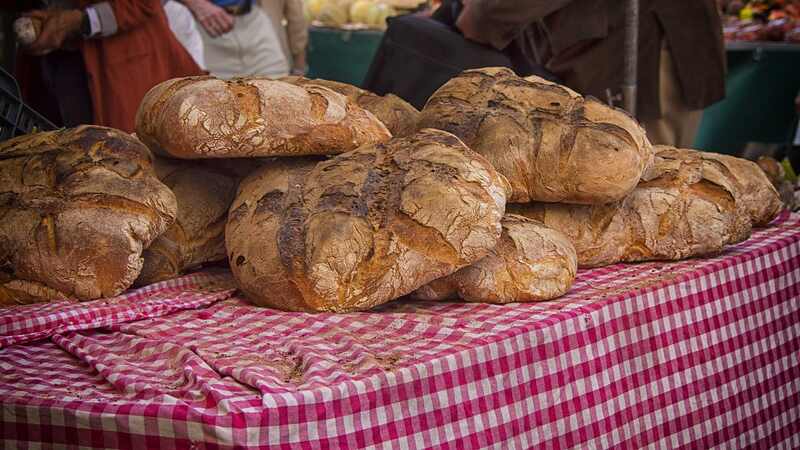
[{"x": 695, "y": 354}]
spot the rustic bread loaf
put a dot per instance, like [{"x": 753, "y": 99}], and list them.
[
  {"x": 205, "y": 117},
  {"x": 755, "y": 194},
  {"x": 15, "y": 292},
  {"x": 530, "y": 263},
  {"x": 365, "y": 227},
  {"x": 552, "y": 144},
  {"x": 776, "y": 175},
  {"x": 78, "y": 208},
  {"x": 399, "y": 116},
  {"x": 685, "y": 206},
  {"x": 198, "y": 234}
]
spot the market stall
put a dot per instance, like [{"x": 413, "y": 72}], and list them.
[
  {"x": 303, "y": 263},
  {"x": 699, "y": 353},
  {"x": 341, "y": 55},
  {"x": 763, "y": 56}
]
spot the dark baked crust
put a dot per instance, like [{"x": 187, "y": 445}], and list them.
[
  {"x": 365, "y": 227},
  {"x": 77, "y": 208},
  {"x": 205, "y": 117},
  {"x": 552, "y": 144}
]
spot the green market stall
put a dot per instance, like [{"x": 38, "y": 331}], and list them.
[
  {"x": 763, "y": 81},
  {"x": 341, "y": 55}
]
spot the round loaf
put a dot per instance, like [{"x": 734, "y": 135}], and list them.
[
  {"x": 365, "y": 227},
  {"x": 78, "y": 208},
  {"x": 552, "y": 144},
  {"x": 205, "y": 117},
  {"x": 198, "y": 234},
  {"x": 399, "y": 116},
  {"x": 530, "y": 263},
  {"x": 687, "y": 205}
]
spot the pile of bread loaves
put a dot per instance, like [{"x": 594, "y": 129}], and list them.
[{"x": 323, "y": 197}]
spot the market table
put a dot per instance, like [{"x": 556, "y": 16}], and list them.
[{"x": 698, "y": 353}]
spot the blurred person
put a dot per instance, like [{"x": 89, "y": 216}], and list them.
[
  {"x": 288, "y": 19},
  {"x": 681, "y": 52},
  {"x": 93, "y": 61},
  {"x": 238, "y": 39},
  {"x": 182, "y": 23}
]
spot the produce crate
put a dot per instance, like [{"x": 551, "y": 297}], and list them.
[
  {"x": 17, "y": 118},
  {"x": 341, "y": 55}
]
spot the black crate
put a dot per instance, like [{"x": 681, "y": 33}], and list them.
[{"x": 17, "y": 118}]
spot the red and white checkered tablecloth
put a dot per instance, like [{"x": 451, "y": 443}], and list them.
[{"x": 694, "y": 354}]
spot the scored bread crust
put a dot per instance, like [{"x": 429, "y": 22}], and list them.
[
  {"x": 551, "y": 143},
  {"x": 687, "y": 205},
  {"x": 206, "y": 117},
  {"x": 78, "y": 208},
  {"x": 198, "y": 234},
  {"x": 530, "y": 263},
  {"x": 754, "y": 191},
  {"x": 399, "y": 116},
  {"x": 365, "y": 227}
]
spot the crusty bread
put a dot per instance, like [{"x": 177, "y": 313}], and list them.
[
  {"x": 365, "y": 227},
  {"x": 552, "y": 144},
  {"x": 15, "y": 292},
  {"x": 530, "y": 263},
  {"x": 756, "y": 193},
  {"x": 79, "y": 207},
  {"x": 685, "y": 206},
  {"x": 205, "y": 117},
  {"x": 198, "y": 234},
  {"x": 399, "y": 116}
]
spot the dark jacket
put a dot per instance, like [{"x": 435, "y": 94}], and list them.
[{"x": 581, "y": 42}]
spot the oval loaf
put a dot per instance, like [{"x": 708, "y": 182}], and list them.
[
  {"x": 205, "y": 117},
  {"x": 365, "y": 227},
  {"x": 552, "y": 144},
  {"x": 530, "y": 263}
]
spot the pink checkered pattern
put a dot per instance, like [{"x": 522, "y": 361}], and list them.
[{"x": 694, "y": 354}]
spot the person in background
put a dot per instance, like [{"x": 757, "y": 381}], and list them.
[
  {"x": 238, "y": 39},
  {"x": 182, "y": 23},
  {"x": 681, "y": 52},
  {"x": 288, "y": 19},
  {"x": 93, "y": 61}
]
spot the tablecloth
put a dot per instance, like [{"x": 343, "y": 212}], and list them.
[{"x": 694, "y": 354}]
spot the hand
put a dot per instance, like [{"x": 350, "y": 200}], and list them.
[
  {"x": 215, "y": 20},
  {"x": 58, "y": 25},
  {"x": 468, "y": 22},
  {"x": 299, "y": 64}
]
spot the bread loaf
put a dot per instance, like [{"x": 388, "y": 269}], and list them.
[
  {"x": 15, "y": 292},
  {"x": 776, "y": 175},
  {"x": 365, "y": 227},
  {"x": 198, "y": 234},
  {"x": 78, "y": 207},
  {"x": 685, "y": 206},
  {"x": 205, "y": 117},
  {"x": 552, "y": 144},
  {"x": 755, "y": 191},
  {"x": 530, "y": 263},
  {"x": 399, "y": 116}
]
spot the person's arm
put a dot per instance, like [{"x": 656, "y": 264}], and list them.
[
  {"x": 498, "y": 22},
  {"x": 297, "y": 34},
  {"x": 215, "y": 20},
  {"x": 95, "y": 21}
]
